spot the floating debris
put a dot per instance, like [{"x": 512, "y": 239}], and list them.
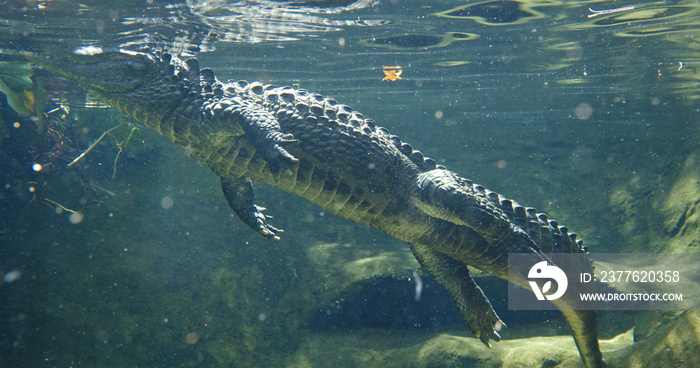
[{"x": 392, "y": 73}]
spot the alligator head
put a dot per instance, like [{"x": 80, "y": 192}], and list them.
[
  {"x": 103, "y": 70},
  {"x": 139, "y": 84}
]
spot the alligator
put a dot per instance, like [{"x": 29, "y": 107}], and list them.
[{"x": 331, "y": 155}]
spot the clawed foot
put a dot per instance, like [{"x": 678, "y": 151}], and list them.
[
  {"x": 239, "y": 195},
  {"x": 275, "y": 154},
  {"x": 485, "y": 325},
  {"x": 261, "y": 225}
]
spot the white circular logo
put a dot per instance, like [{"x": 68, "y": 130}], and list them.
[{"x": 542, "y": 270}]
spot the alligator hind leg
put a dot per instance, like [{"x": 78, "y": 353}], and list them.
[
  {"x": 444, "y": 195},
  {"x": 239, "y": 195},
  {"x": 472, "y": 305}
]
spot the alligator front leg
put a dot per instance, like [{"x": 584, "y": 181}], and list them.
[
  {"x": 263, "y": 130},
  {"x": 239, "y": 195},
  {"x": 473, "y": 306}
]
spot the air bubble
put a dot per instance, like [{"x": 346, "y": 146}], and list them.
[
  {"x": 76, "y": 218},
  {"x": 166, "y": 202}
]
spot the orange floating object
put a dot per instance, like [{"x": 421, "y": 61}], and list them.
[{"x": 392, "y": 73}]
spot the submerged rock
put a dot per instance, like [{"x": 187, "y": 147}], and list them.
[{"x": 676, "y": 344}]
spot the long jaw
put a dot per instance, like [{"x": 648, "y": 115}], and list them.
[{"x": 104, "y": 71}]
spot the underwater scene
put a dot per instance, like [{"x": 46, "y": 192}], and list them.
[{"x": 158, "y": 211}]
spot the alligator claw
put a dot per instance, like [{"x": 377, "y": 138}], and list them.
[
  {"x": 277, "y": 156},
  {"x": 239, "y": 195},
  {"x": 261, "y": 225},
  {"x": 484, "y": 322}
]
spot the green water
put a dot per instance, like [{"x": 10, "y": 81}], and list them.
[{"x": 593, "y": 120}]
